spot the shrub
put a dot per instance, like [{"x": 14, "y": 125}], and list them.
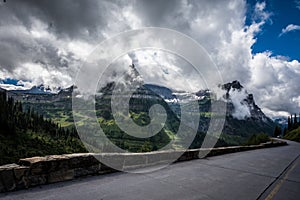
[{"x": 257, "y": 139}]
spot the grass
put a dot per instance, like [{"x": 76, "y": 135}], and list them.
[
  {"x": 256, "y": 139},
  {"x": 293, "y": 135},
  {"x": 233, "y": 140}
]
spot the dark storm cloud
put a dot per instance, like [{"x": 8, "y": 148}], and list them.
[
  {"x": 72, "y": 18},
  {"x": 18, "y": 47},
  {"x": 155, "y": 12},
  {"x": 50, "y": 33},
  {"x": 64, "y": 19}
]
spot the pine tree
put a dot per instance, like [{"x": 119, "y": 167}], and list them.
[
  {"x": 277, "y": 131},
  {"x": 296, "y": 123},
  {"x": 295, "y": 120}
]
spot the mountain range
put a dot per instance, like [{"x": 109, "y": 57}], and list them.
[{"x": 243, "y": 116}]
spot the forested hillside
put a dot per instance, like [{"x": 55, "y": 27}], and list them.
[
  {"x": 27, "y": 134},
  {"x": 292, "y": 132}
]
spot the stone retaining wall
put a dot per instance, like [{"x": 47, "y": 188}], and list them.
[{"x": 51, "y": 169}]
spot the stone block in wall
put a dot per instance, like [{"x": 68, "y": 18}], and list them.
[
  {"x": 163, "y": 157},
  {"x": 82, "y": 160},
  {"x": 170, "y": 156},
  {"x": 153, "y": 158},
  {"x": 7, "y": 178},
  {"x": 189, "y": 155},
  {"x": 33, "y": 180},
  {"x": 111, "y": 161},
  {"x": 224, "y": 150},
  {"x": 135, "y": 160},
  {"x": 62, "y": 175},
  {"x": 91, "y": 170},
  {"x": 204, "y": 152},
  {"x": 245, "y": 148},
  {"x": 20, "y": 175},
  {"x": 104, "y": 169}
]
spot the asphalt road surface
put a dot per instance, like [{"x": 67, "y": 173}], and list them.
[{"x": 272, "y": 173}]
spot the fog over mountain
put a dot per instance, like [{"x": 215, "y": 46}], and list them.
[{"x": 45, "y": 42}]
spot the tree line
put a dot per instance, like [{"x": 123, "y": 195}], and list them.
[
  {"x": 13, "y": 119},
  {"x": 293, "y": 123}
]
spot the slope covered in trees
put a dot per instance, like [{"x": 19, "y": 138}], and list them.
[
  {"x": 292, "y": 132},
  {"x": 27, "y": 134}
]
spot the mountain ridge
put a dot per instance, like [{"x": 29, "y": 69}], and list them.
[{"x": 243, "y": 117}]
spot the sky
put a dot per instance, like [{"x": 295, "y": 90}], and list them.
[
  {"x": 280, "y": 35},
  {"x": 255, "y": 42}
]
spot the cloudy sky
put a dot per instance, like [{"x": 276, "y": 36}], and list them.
[{"x": 257, "y": 43}]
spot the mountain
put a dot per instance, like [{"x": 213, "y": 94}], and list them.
[
  {"x": 240, "y": 102},
  {"x": 40, "y": 94},
  {"x": 141, "y": 100},
  {"x": 170, "y": 95},
  {"x": 243, "y": 117},
  {"x": 163, "y": 92}
]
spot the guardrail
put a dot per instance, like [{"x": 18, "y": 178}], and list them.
[{"x": 35, "y": 171}]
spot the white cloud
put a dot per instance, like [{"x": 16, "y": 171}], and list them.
[
  {"x": 289, "y": 28},
  {"x": 275, "y": 114},
  {"x": 166, "y": 69},
  {"x": 241, "y": 109},
  {"x": 274, "y": 83},
  {"x": 12, "y": 87},
  {"x": 42, "y": 75},
  {"x": 297, "y": 2},
  {"x": 260, "y": 12}
]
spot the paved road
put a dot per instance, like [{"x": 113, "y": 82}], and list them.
[{"x": 272, "y": 173}]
